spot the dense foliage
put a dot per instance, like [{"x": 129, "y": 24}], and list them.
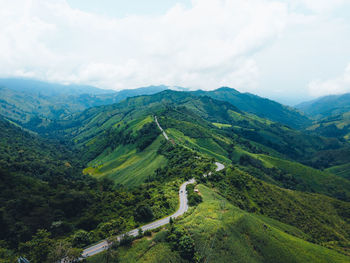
[{"x": 326, "y": 220}]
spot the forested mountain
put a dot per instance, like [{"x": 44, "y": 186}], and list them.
[
  {"x": 259, "y": 106},
  {"x": 25, "y": 100},
  {"x": 326, "y": 106},
  {"x": 96, "y": 173}
]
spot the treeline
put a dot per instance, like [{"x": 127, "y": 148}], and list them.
[
  {"x": 42, "y": 188},
  {"x": 323, "y": 219}
]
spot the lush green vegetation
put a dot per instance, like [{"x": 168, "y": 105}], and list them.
[
  {"x": 261, "y": 107},
  {"x": 324, "y": 219},
  {"x": 333, "y": 126},
  {"x": 39, "y": 189},
  {"x": 326, "y": 106},
  {"x": 216, "y": 231},
  {"x": 341, "y": 170},
  {"x": 269, "y": 206},
  {"x": 35, "y": 103}
]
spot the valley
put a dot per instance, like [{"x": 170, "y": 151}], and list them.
[{"x": 198, "y": 176}]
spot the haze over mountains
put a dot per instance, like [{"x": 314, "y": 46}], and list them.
[{"x": 95, "y": 165}]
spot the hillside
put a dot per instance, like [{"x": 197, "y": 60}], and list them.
[
  {"x": 26, "y": 100},
  {"x": 131, "y": 176},
  {"x": 326, "y": 106},
  {"x": 110, "y": 137},
  {"x": 333, "y": 126},
  {"x": 45, "y": 198},
  {"x": 217, "y": 231},
  {"x": 259, "y": 106},
  {"x": 323, "y": 219}
]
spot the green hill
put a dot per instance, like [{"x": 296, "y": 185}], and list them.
[
  {"x": 30, "y": 102},
  {"x": 333, "y": 126},
  {"x": 259, "y": 106},
  {"x": 326, "y": 106},
  {"x": 323, "y": 219},
  {"x": 221, "y": 232},
  {"x": 269, "y": 205},
  {"x": 108, "y": 135}
]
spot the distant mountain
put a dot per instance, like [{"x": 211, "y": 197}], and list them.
[
  {"x": 333, "y": 126},
  {"x": 24, "y": 99},
  {"x": 266, "y": 174},
  {"x": 48, "y": 89},
  {"x": 326, "y": 106},
  {"x": 259, "y": 106},
  {"x": 199, "y": 122}
]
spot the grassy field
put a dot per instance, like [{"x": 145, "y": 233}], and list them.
[
  {"x": 222, "y": 125},
  {"x": 224, "y": 233},
  {"x": 127, "y": 166},
  {"x": 322, "y": 218},
  {"x": 341, "y": 170},
  {"x": 310, "y": 179},
  {"x": 205, "y": 146}
]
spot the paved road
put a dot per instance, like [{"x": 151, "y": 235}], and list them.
[
  {"x": 160, "y": 128},
  {"x": 220, "y": 166},
  {"x": 103, "y": 245}
]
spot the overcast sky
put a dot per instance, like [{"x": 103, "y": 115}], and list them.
[{"x": 290, "y": 50}]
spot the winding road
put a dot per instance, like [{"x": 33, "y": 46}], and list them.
[{"x": 103, "y": 245}]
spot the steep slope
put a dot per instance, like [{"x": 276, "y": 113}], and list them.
[
  {"x": 323, "y": 219},
  {"x": 333, "y": 126},
  {"x": 326, "y": 106},
  {"x": 26, "y": 100},
  {"x": 131, "y": 154},
  {"x": 217, "y": 231},
  {"x": 223, "y": 233},
  {"x": 109, "y": 137},
  {"x": 42, "y": 187},
  {"x": 261, "y": 107}
]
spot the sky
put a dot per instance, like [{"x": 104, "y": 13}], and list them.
[{"x": 287, "y": 50}]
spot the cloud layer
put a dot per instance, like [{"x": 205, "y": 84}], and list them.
[
  {"x": 206, "y": 46},
  {"x": 338, "y": 85}
]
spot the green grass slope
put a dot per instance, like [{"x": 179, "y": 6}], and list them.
[
  {"x": 125, "y": 165},
  {"x": 326, "y": 106},
  {"x": 333, "y": 126},
  {"x": 341, "y": 170},
  {"x": 261, "y": 107},
  {"x": 325, "y": 220},
  {"x": 224, "y": 233},
  {"x": 311, "y": 180}
]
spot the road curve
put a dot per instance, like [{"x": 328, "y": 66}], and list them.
[
  {"x": 103, "y": 245},
  {"x": 220, "y": 166}
]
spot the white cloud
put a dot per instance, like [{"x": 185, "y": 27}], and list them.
[
  {"x": 319, "y": 6},
  {"x": 337, "y": 85},
  {"x": 200, "y": 47}
]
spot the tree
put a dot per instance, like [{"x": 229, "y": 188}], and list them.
[
  {"x": 126, "y": 240},
  {"x": 140, "y": 233},
  {"x": 64, "y": 252},
  {"x": 81, "y": 238},
  {"x": 38, "y": 249},
  {"x": 111, "y": 254},
  {"x": 143, "y": 213}
]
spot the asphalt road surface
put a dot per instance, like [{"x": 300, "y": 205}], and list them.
[
  {"x": 103, "y": 245},
  {"x": 160, "y": 128}
]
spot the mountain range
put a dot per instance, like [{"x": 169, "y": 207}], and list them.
[{"x": 95, "y": 164}]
